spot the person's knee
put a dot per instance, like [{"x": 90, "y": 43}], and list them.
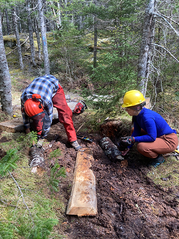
[{"x": 142, "y": 149}]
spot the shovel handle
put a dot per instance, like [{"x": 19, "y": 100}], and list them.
[{"x": 177, "y": 151}]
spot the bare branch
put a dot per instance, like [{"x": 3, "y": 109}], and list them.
[
  {"x": 171, "y": 19},
  {"x": 167, "y": 23},
  {"x": 166, "y": 51},
  {"x": 16, "y": 47},
  {"x": 21, "y": 194},
  {"x": 6, "y": 203}
]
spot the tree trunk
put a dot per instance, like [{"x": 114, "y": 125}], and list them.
[
  {"x": 146, "y": 47},
  {"x": 7, "y": 22},
  {"x": 14, "y": 16},
  {"x": 18, "y": 22},
  {"x": 95, "y": 42},
  {"x": 36, "y": 27},
  {"x": 59, "y": 22},
  {"x": 31, "y": 34},
  {"x": 5, "y": 80},
  {"x": 44, "y": 39}
]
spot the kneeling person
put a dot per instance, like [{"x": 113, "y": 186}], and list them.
[
  {"x": 37, "y": 102},
  {"x": 152, "y": 133}
]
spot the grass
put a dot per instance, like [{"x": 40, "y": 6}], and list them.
[
  {"x": 166, "y": 175},
  {"x": 26, "y": 209}
]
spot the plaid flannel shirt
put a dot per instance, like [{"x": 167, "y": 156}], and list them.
[{"x": 46, "y": 86}]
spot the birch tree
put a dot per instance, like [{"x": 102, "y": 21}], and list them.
[
  {"x": 95, "y": 39},
  {"x": 36, "y": 27},
  {"x": 15, "y": 23},
  {"x": 7, "y": 22},
  {"x": 44, "y": 39},
  {"x": 5, "y": 80},
  {"x": 31, "y": 33},
  {"x": 146, "y": 47}
]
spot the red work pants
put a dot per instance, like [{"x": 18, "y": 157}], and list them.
[
  {"x": 64, "y": 114},
  {"x": 162, "y": 145}
]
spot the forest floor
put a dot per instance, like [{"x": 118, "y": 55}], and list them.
[{"x": 134, "y": 200}]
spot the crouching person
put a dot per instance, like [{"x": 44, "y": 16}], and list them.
[
  {"x": 37, "y": 102},
  {"x": 151, "y": 132}
]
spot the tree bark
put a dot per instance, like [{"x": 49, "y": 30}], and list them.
[
  {"x": 31, "y": 34},
  {"x": 95, "y": 42},
  {"x": 14, "y": 16},
  {"x": 110, "y": 149},
  {"x": 146, "y": 47},
  {"x": 5, "y": 80},
  {"x": 7, "y": 22},
  {"x": 59, "y": 22},
  {"x": 44, "y": 39},
  {"x": 36, "y": 27}
]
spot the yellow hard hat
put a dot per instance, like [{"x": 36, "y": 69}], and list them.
[{"x": 132, "y": 98}]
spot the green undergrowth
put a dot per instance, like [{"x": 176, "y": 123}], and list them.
[
  {"x": 166, "y": 175},
  {"x": 28, "y": 206}
]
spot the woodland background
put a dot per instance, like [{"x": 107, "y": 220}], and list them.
[{"x": 107, "y": 47}]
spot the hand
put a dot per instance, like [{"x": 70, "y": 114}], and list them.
[
  {"x": 123, "y": 153},
  {"x": 127, "y": 141}
]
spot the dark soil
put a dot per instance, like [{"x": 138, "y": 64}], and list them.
[{"x": 129, "y": 204}]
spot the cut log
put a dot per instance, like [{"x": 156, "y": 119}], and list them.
[
  {"x": 83, "y": 201},
  {"x": 37, "y": 160},
  {"x": 110, "y": 149}
]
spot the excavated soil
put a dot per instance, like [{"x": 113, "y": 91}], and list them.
[{"x": 129, "y": 204}]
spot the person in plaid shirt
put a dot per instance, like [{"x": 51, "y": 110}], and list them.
[{"x": 37, "y": 102}]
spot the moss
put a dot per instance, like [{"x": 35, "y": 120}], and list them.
[{"x": 166, "y": 174}]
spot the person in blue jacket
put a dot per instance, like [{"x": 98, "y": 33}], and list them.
[{"x": 152, "y": 133}]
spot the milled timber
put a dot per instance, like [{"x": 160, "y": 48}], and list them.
[{"x": 83, "y": 201}]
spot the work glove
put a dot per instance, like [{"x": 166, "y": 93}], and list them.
[{"x": 127, "y": 141}]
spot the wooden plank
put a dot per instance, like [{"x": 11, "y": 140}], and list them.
[{"x": 83, "y": 201}]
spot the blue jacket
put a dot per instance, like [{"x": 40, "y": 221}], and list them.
[{"x": 152, "y": 123}]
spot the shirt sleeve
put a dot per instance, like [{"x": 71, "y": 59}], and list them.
[
  {"x": 49, "y": 109},
  {"x": 46, "y": 125},
  {"x": 150, "y": 128}
]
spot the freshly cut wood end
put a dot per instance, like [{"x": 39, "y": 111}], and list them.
[{"x": 82, "y": 211}]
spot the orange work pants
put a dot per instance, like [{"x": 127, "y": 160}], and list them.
[
  {"x": 162, "y": 145},
  {"x": 64, "y": 114}
]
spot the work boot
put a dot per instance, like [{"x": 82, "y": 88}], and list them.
[
  {"x": 157, "y": 161},
  {"x": 75, "y": 145}
]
